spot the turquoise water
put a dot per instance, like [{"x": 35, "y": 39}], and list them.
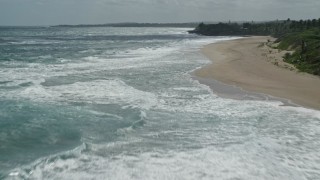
[{"x": 120, "y": 103}]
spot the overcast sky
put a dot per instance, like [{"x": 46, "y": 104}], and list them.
[{"x": 52, "y": 12}]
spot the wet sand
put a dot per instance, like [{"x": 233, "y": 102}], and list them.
[{"x": 257, "y": 68}]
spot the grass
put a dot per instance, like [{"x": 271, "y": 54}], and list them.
[{"x": 306, "y": 47}]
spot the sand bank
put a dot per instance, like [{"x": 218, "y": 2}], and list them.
[{"x": 253, "y": 66}]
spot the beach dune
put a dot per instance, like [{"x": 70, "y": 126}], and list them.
[{"x": 244, "y": 63}]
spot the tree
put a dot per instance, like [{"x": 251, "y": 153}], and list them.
[
  {"x": 300, "y": 24},
  {"x": 200, "y": 26},
  {"x": 314, "y": 22},
  {"x": 308, "y": 24}
]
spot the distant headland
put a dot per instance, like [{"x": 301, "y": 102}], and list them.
[{"x": 132, "y": 24}]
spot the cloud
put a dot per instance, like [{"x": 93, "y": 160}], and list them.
[{"x": 33, "y": 12}]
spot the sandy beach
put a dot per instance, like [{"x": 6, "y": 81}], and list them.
[{"x": 250, "y": 64}]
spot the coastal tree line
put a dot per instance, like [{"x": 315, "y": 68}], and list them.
[
  {"x": 302, "y": 37},
  {"x": 274, "y": 28}
]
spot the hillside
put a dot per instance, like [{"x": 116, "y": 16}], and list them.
[
  {"x": 306, "y": 47},
  {"x": 302, "y": 37}
]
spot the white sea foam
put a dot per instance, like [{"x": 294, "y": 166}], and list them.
[
  {"x": 32, "y": 42},
  {"x": 184, "y": 130},
  {"x": 259, "y": 159},
  {"x": 100, "y": 92}
]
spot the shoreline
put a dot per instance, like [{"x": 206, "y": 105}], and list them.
[{"x": 250, "y": 66}]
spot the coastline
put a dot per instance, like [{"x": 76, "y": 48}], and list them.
[{"x": 249, "y": 64}]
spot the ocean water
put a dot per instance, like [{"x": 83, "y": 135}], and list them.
[{"x": 121, "y": 103}]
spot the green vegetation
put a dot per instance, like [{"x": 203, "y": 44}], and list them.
[
  {"x": 302, "y": 37},
  {"x": 306, "y": 50}
]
